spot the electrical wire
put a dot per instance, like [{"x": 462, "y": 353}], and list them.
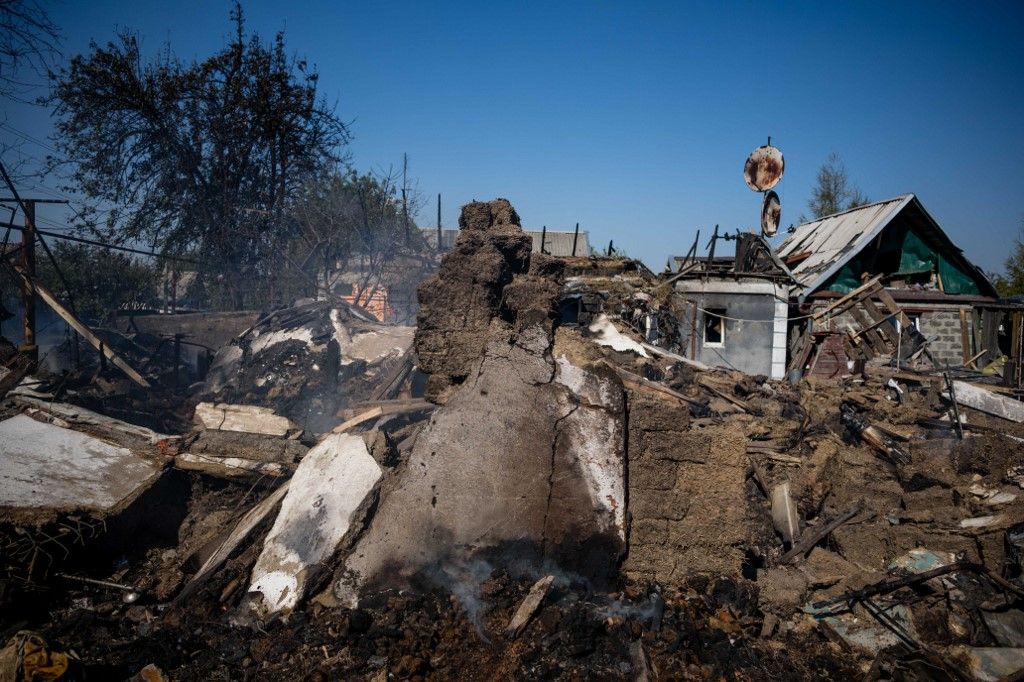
[{"x": 114, "y": 247}]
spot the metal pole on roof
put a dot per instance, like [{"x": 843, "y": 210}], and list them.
[
  {"x": 543, "y": 236},
  {"x": 575, "y": 236}
]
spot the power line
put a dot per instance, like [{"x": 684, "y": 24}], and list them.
[
  {"x": 114, "y": 247},
  {"x": 28, "y": 138}
]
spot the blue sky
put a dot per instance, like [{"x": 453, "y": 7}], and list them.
[{"x": 635, "y": 119}]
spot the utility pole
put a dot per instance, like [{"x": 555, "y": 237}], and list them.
[
  {"x": 28, "y": 294},
  {"x": 28, "y": 264},
  {"x": 439, "y": 244},
  {"x": 405, "y": 200}
]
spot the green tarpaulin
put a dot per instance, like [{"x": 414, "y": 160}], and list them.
[{"x": 901, "y": 252}]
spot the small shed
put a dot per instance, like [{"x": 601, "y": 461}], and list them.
[{"x": 738, "y": 308}]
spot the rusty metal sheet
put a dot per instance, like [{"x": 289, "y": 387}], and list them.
[
  {"x": 764, "y": 168},
  {"x": 771, "y": 214}
]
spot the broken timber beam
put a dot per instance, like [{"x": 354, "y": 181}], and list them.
[
  {"x": 240, "y": 532},
  {"x": 809, "y": 541},
  {"x": 17, "y": 368},
  {"x": 890, "y": 303},
  {"x": 987, "y": 401},
  {"x": 531, "y": 602},
  {"x": 638, "y": 383},
  {"x": 80, "y": 327},
  {"x": 852, "y": 296},
  {"x": 724, "y": 396}
]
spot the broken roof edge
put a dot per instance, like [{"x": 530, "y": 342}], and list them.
[{"x": 901, "y": 200}]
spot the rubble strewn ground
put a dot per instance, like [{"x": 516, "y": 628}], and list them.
[{"x": 634, "y": 514}]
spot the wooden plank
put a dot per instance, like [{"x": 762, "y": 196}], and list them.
[
  {"x": 854, "y": 295},
  {"x": 809, "y": 541},
  {"x": 965, "y": 343},
  {"x": 242, "y": 529},
  {"x": 872, "y": 335},
  {"x": 390, "y": 406},
  {"x": 856, "y": 352},
  {"x": 1015, "y": 346},
  {"x": 986, "y": 401},
  {"x": 230, "y": 467},
  {"x": 358, "y": 419},
  {"x": 806, "y": 345},
  {"x": 883, "y": 326},
  {"x": 976, "y": 340},
  {"x": 888, "y": 301},
  {"x": 678, "y": 358},
  {"x": 80, "y": 327}
]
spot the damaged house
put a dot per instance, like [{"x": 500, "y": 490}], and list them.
[{"x": 863, "y": 274}]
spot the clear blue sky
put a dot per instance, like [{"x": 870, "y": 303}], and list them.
[{"x": 635, "y": 120}]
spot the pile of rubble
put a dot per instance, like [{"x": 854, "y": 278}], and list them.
[{"x": 535, "y": 485}]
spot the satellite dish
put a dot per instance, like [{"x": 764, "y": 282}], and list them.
[
  {"x": 771, "y": 214},
  {"x": 764, "y": 168}
]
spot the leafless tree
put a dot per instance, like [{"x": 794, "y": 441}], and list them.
[{"x": 29, "y": 40}]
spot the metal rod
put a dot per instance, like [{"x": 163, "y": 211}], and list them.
[
  {"x": 575, "y": 236},
  {"x": 956, "y": 408}
]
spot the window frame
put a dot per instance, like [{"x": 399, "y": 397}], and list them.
[{"x": 720, "y": 313}]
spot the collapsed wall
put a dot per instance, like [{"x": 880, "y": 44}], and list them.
[
  {"x": 686, "y": 495},
  {"x": 527, "y": 456}
]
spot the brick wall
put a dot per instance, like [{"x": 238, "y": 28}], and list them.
[{"x": 942, "y": 328}]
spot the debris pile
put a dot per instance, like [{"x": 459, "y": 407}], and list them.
[
  {"x": 564, "y": 496},
  {"x": 307, "y": 362}
]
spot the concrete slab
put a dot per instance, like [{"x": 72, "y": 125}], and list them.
[
  {"x": 242, "y": 418},
  {"x": 526, "y": 460},
  {"x": 47, "y": 469},
  {"x": 323, "y": 502}
]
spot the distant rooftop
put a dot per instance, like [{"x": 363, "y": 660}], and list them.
[{"x": 556, "y": 243}]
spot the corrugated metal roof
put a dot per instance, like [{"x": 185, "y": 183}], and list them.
[
  {"x": 560, "y": 243},
  {"x": 835, "y": 239}
]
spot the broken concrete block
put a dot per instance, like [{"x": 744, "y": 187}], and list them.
[
  {"x": 243, "y": 418},
  {"x": 324, "y": 499},
  {"x": 784, "y": 516},
  {"x": 1007, "y": 627},
  {"x": 524, "y": 454},
  {"x": 47, "y": 469},
  {"x": 606, "y": 334}
]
